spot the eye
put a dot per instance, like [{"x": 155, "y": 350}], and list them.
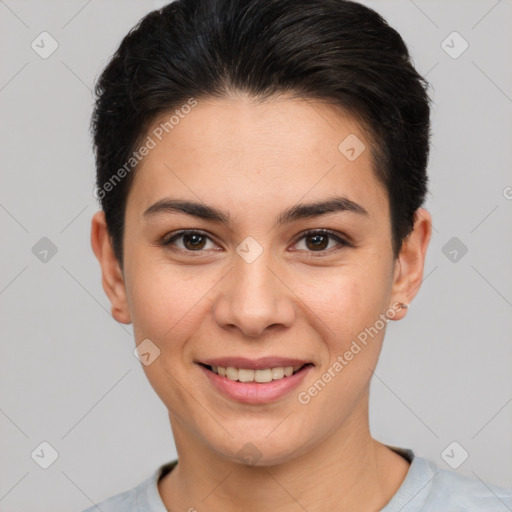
[
  {"x": 318, "y": 240},
  {"x": 190, "y": 240},
  {"x": 197, "y": 241}
]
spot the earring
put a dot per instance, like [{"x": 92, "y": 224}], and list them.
[{"x": 403, "y": 306}]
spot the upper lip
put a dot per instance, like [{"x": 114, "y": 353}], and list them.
[{"x": 255, "y": 364}]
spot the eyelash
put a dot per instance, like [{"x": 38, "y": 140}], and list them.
[{"x": 341, "y": 242}]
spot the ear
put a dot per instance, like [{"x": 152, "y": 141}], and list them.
[
  {"x": 410, "y": 262},
  {"x": 112, "y": 276}
]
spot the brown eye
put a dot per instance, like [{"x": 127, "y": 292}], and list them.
[
  {"x": 194, "y": 241},
  {"x": 191, "y": 241},
  {"x": 320, "y": 241},
  {"x": 317, "y": 242}
]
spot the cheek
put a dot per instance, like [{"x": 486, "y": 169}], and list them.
[
  {"x": 167, "y": 307},
  {"x": 352, "y": 330},
  {"x": 346, "y": 299},
  {"x": 167, "y": 302}
]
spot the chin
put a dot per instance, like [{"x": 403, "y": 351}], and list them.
[{"x": 260, "y": 450}]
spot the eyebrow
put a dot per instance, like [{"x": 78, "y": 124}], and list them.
[{"x": 292, "y": 214}]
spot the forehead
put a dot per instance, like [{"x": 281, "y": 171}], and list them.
[{"x": 238, "y": 149}]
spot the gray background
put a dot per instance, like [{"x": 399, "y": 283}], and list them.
[{"x": 68, "y": 375}]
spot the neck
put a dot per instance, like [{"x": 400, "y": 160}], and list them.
[{"x": 347, "y": 471}]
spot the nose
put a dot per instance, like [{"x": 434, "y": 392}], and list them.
[{"x": 253, "y": 298}]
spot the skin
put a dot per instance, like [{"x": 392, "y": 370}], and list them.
[{"x": 253, "y": 160}]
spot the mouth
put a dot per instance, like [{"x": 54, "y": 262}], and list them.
[
  {"x": 259, "y": 376},
  {"x": 265, "y": 383}
]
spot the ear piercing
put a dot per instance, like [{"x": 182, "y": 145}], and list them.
[{"x": 403, "y": 306}]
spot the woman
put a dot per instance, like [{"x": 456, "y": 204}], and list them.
[{"x": 261, "y": 167}]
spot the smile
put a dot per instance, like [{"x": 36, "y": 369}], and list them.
[
  {"x": 261, "y": 376},
  {"x": 255, "y": 386}
]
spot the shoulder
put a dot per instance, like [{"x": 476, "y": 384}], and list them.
[
  {"x": 429, "y": 488},
  {"x": 127, "y": 501},
  {"x": 462, "y": 493},
  {"x": 144, "y": 496}
]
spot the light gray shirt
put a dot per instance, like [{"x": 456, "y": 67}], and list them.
[{"x": 426, "y": 488}]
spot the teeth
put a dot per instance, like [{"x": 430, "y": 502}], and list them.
[
  {"x": 263, "y": 375},
  {"x": 231, "y": 373},
  {"x": 277, "y": 373},
  {"x": 247, "y": 375}
]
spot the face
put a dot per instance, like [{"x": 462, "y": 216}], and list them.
[{"x": 259, "y": 269}]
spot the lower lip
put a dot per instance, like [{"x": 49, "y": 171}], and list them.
[{"x": 256, "y": 392}]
